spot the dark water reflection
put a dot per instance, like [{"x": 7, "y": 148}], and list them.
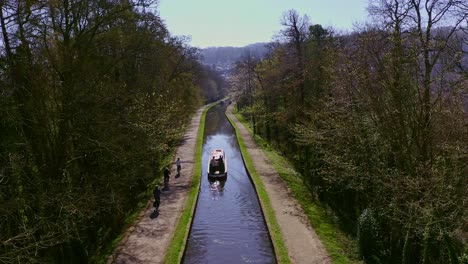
[{"x": 228, "y": 226}]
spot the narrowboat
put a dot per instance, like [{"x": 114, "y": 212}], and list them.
[{"x": 217, "y": 164}]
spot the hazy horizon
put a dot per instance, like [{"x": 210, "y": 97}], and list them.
[
  {"x": 242, "y": 46},
  {"x": 214, "y": 23}
]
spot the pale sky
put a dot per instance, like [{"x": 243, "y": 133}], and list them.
[{"x": 242, "y": 22}]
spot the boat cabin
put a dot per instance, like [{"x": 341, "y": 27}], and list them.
[{"x": 217, "y": 165}]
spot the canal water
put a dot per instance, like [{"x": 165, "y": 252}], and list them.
[{"x": 228, "y": 225}]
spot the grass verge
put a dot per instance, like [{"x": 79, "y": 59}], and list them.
[
  {"x": 275, "y": 231},
  {"x": 340, "y": 248},
  {"x": 176, "y": 247}
]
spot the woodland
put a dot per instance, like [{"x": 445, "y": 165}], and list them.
[
  {"x": 94, "y": 97},
  {"x": 375, "y": 121}
]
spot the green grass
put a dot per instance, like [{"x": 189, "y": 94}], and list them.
[
  {"x": 176, "y": 247},
  {"x": 275, "y": 231},
  {"x": 340, "y": 248}
]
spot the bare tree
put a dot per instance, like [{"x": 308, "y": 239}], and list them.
[
  {"x": 422, "y": 30},
  {"x": 295, "y": 33}
]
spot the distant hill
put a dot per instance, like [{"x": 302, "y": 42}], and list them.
[{"x": 223, "y": 58}]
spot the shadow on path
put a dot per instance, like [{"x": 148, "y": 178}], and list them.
[{"x": 154, "y": 214}]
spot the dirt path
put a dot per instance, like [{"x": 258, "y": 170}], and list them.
[
  {"x": 148, "y": 239},
  {"x": 301, "y": 240}
]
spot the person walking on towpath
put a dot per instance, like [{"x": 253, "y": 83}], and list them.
[
  {"x": 179, "y": 167},
  {"x": 157, "y": 198},
  {"x": 166, "y": 178}
]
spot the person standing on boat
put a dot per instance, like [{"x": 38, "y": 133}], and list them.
[
  {"x": 213, "y": 165},
  {"x": 221, "y": 164}
]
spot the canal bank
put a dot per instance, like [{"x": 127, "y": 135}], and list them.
[
  {"x": 228, "y": 225},
  {"x": 148, "y": 239},
  {"x": 300, "y": 240}
]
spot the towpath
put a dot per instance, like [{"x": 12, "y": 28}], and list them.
[
  {"x": 149, "y": 237},
  {"x": 302, "y": 242}
]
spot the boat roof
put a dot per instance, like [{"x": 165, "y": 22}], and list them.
[{"x": 216, "y": 153}]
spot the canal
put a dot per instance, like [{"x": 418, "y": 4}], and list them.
[{"x": 228, "y": 225}]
